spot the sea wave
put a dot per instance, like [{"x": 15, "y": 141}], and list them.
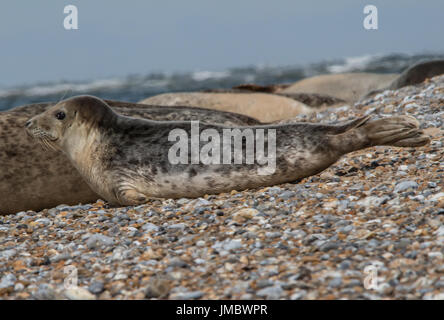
[
  {"x": 353, "y": 64},
  {"x": 137, "y": 87}
]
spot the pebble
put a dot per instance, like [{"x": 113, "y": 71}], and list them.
[
  {"x": 149, "y": 227},
  {"x": 298, "y": 295},
  {"x": 274, "y": 292},
  {"x": 335, "y": 282},
  {"x": 7, "y": 280},
  {"x": 405, "y": 185},
  {"x": 187, "y": 295},
  {"x": 98, "y": 240},
  {"x": 96, "y": 287}
]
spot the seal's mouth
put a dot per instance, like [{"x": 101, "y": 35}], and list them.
[{"x": 46, "y": 139}]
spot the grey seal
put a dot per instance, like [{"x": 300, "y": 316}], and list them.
[
  {"x": 32, "y": 178},
  {"x": 126, "y": 160}
]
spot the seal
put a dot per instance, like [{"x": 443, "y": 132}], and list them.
[
  {"x": 262, "y": 106},
  {"x": 352, "y": 87},
  {"x": 127, "y": 160},
  {"x": 349, "y": 87},
  {"x": 413, "y": 75},
  {"x": 32, "y": 178},
  {"x": 309, "y": 99},
  {"x": 418, "y": 73}
]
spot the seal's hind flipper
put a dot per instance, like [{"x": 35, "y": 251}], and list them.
[{"x": 400, "y": 131}]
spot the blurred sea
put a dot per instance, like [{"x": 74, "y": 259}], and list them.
[{"x": 134, "y": 88}]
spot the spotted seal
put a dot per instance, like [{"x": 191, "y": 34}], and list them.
[{"x": 127, "y": 161}]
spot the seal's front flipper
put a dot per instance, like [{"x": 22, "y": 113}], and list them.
[{"x": 130, "y": 197}]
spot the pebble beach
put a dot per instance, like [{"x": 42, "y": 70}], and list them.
[{"x": 369, "y": 227}]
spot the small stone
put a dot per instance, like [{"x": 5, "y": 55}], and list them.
[
  {"x": 246, "y": 213},
  {"x": 435, "y": 254},
  {"x": 287, "y": 195},
  {"x": 436, "y": 197},
  {"x": 329, "y": 246},
  {"x": 44, "y": 221},
  {"x": 7, "y": 280},
  {"x": 263, "y": 283},
  {"x": 344, "y": 265},
  {"x": 157, "y": 288},
  {"x": 8, "y": 253},
  {"x": 228, "y": 245},
  {"x": 45, "y": 292},
  {"x": 97, "y": 240},
  {"x": 335, "y": 282},
  {"x": 200, "y": 243},
  {"x": 178, "y": 263},
  {"x": 432, "y": 184},
  {"x": 120, "y": 276},
  {"x": 440, "y": 231},
  {"x": 274, "y": 292},
  {"x": 60, "y": 257},
  {"x": 373, "y": 201},
  {"x": 19, "y": 287},
  {"x": 149, "y": 227},
  {"x": 187, "y": 295},
  {"x": 272, "y": 235},
  {"x": 96, "y": 287},
  {"x": 177, "y": 226},
  {"x": 405, "y": 185},
  {"x": 298, "y": 295},
  {"x": 233, "y": 244}
]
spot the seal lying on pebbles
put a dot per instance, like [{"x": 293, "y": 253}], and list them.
[
  {"x": 262, "y": 106},
  {"x": 128, "y": 160},
  {"x": 414, "y": 75},
  {"x": 346, "y": 86},
  {"x": 309, "y": 99},
  {"x": 33, "y": 179}
]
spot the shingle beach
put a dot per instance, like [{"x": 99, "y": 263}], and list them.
[{"x": 369, "y": 227}]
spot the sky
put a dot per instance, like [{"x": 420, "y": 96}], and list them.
[{"x": 118, "y": 38}]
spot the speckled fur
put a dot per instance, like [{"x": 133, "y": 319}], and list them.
[
  {"x": 32, "y": 178},
  {"x": 125, "y": 160}
]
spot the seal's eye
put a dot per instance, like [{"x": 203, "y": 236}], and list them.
[{"x": 60, "y": 115}]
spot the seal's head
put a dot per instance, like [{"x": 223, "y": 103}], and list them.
[{"x": 57, "y": 126}]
